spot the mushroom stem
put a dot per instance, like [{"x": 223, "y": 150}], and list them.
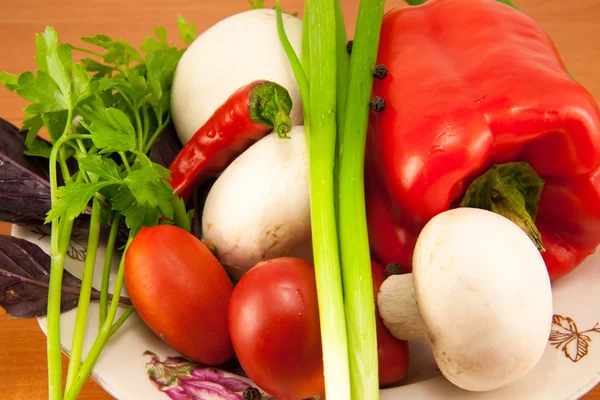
[{"x": 398, "y": 308}]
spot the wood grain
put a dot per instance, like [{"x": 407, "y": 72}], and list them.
[{"x": 573, "y": 26}]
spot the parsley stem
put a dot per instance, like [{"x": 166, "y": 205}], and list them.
[
  {"x": 110, "y": 246},
  {"x": 86, "y": 291},
  {"x": 128, "y": 101},
  {"x": 53, "y": 156},
  {"x": 103, "y": 335},
  {"x": 64, "y": 168},
  {"x": 59, "y": 242},
  {"x": 83, "y": 50},
  {"x": 140, "y": 131},
  {"x": 57, "y": 260},
  {"x": 121, "y": 320},
  {"x": 156, "y": 134},
  {"x": 146, "y": 123},
  {"x": 125, "y": 161}
]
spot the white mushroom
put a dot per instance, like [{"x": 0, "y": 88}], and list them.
[
  {"x": 479, "y": 292},
  {"x": 232, "y": 53},
  {"x": 259, "y": 208}
]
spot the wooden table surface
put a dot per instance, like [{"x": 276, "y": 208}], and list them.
[{"x": 574, "y": 26}]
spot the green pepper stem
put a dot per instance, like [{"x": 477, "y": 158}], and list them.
[{"x": 512, "y": 190}]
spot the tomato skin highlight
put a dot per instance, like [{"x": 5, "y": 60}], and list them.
[
  {"x": 181, "y": 291},
  {"x": 393, "y": 353},
  {"x": 274, "y": 326}
]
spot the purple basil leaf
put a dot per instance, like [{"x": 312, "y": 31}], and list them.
[
  {"x": 24, "y": 277},
  {"x": 167, "y": 146},
  {"x": 24, "y": 186}
]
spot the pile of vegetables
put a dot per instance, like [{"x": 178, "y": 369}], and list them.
[{"x": 259, "y": 228}]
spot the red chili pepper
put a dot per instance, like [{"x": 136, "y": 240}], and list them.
[
  {"x": 248, "y": 115},
  {"x": 473, "y": 83}
]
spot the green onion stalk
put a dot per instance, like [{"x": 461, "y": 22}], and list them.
[
  {"x": 354, "y": 240},
  {"x": 320, "y": 102},
  {"x": 322, "y": 143}
]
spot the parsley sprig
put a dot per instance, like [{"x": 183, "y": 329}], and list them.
[{"x": 105, "y": 113}]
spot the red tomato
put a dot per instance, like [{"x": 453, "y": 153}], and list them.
[
  {"x": 181, "y": 291},
  {"x": 274, "y": 327},
  {"x": 392, "y": 352}
]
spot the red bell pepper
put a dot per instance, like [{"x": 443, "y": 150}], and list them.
[{"x": 474, "y": 83}]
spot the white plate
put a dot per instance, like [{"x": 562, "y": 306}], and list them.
[{"x": 569, "y": 368}]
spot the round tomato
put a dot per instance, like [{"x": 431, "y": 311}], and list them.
[
  {"x": 392, "y": 352},
  {"x": 274, "y": 327},
  {"x": 181, "y": 291}
]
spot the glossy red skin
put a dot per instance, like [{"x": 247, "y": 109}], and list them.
[
  {"x": 274, "y": 326},
  {"x": 472, "y": 83},
  {"x": 181, "y": 291},
  {"x": 393, "y": 354},
  {"x": 226, "y": 134}
]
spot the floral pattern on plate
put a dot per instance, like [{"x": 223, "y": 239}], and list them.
[
  {"x": 182, "y": 379},
  {"x": 565, "y": 336}
]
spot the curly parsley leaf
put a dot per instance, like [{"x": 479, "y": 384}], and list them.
[
  {"x": 161, "y": 67},
  {"x": 32, "y": 125},
  {"x": 117, "y": 52},
  {"x": 187, "y": 31},
  {"x": 59, "y": 63},
  {"x": 113, "y": 131},
  {"x": 10, "y": 81},
  {"x": 151, "y": 44},
  {"x": 42, "y": 91},
  {"x": 55, "y": 123},
  {"x": 256, "y": 4},
  {"x": 73, "y": 199},
  {"x": 136, "y": 215},
  {"x": 103, "y": 167},
  {"x": 38, "y": 148}
]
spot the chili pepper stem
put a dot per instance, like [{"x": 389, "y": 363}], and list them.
[
  {"x": 282, "y": 124},
  {"x": 269, "y": 105}
]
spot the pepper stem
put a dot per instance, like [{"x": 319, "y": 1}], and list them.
[
  {"x": 512, "y": 190},
  {"x": 270, "y": 105}
]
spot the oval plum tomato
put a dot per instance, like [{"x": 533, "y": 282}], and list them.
[
  {"x": 274, "y": 327},
  {"x": 392, "y": 352},
  {"x": 181, "y": 291}
]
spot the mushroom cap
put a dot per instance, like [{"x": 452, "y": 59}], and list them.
[
  {"x": 259, "y": 208},
  {"x": 238, "y": 50},
  {"x": 484, "y": 296}
]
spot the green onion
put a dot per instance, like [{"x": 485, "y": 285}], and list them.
[
  {"x": 354, "y": 240},
  {"x": 322, "y": 142},
  {"x": 319, "y": 101},
  {"x": 342, "y": 69}
]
